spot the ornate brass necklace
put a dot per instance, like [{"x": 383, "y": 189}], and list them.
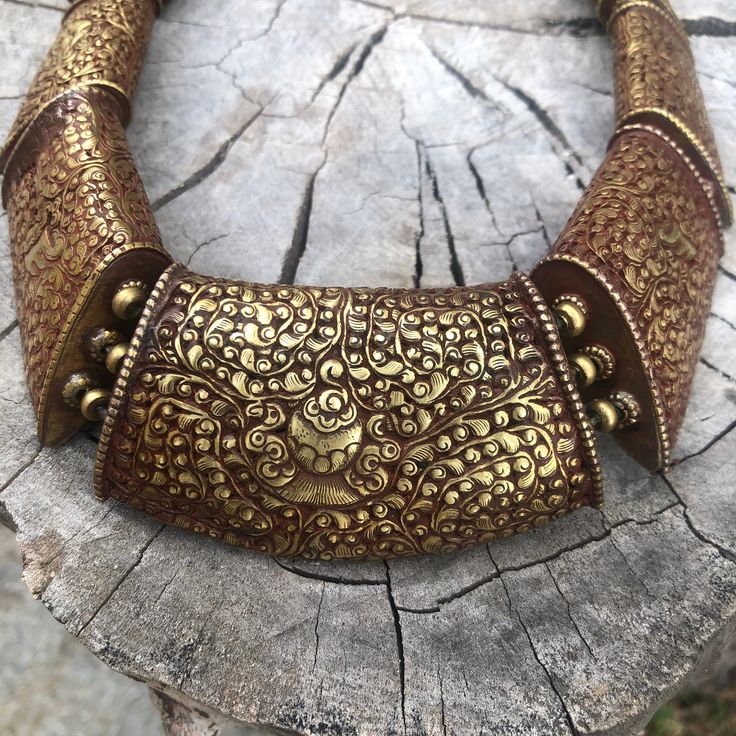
[{"x": 330, "y": 422}]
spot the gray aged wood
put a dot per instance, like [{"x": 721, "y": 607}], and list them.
[{"x": 426, "y": 143}]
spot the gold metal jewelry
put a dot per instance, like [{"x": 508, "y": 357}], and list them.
[
  {"x": 585, "y": 369},
  {"x": 129, "y": 300},
  {"x": 94, "y": 404},
  {"x": 115, "y": 356},
  {"x": 572, "y": 312},
  {"x": 604, "y": 415},
  {"x": 332, "y": 423}
]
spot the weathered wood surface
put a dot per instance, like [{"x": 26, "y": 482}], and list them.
[{"x": 429, "y": 142}]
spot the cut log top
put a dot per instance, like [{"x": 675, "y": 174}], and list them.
[{"x": 421, "y": 143}]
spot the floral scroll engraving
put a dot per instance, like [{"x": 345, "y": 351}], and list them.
[
  {"x": 646, "y": 225},
  {"x": 330, "y": 422},
  {"x": 78, "y": 200}
]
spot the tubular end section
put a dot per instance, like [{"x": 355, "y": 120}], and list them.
[
  {"x": 100, "y": 46},
  {"x": 641, "y": 252},
  {"x": 656, "y": 86},
  {"x": 80, "y": 224}
]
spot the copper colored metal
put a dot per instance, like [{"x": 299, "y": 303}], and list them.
[
  {"x": 80, "y": 224},
  {"x": 328, "y": 422},
  {"x": 655, "y": 84},
  {"x": 101, "y": 45},
  {"x": 606, "y": 7},
  {"x": 641, "y": 249}
]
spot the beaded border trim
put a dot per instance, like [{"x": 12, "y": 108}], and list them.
[
  {"x": 561, "y": 366},
  {"x": 121, "y": 382}
]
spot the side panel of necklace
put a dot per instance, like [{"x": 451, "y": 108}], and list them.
[
  {"x": 80, "y": 222},
  {"x": 641, "y": 249}
]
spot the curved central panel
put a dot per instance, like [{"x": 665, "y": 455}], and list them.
[{"x": 332, "y": 422}]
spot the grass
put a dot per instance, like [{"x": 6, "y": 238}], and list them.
[{"x": 694, "y": 713}]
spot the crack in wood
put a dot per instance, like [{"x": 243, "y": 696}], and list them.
[
  {"x": 723, "y": 319},
  {"x": 27, "y": 464},
  {"x": 334, "y": 72},
  {"x": 199, "y": 246},
  {"x": 456, "y": 268},
  {"x": 722, "y": 551},
  {"x": 316, "y": 627},
  {"x": 418, "y": 264},
  {"x": 370, "y": 45},
  {"x": 217, "y": 160},
  {"x": 7, "y": 330},
  {"x": 715, "y": 369},
  {"x": 580, "y": 27},
  {"x": 726, "y": 272},
  {"x": 399, "y": 640},
  {"x": 710, "y": 26},
  {"x": 82, "y": 530},
  {"x": 498, "y": 570},
  {"x": 515, "y": 611},
  {"x": 569, "y": 611},
  {"x": 293, "y": 256},
  {"x": 633, "y": 572},
  {"x": 466, "y": 84},
  {"x": 705, "y": 447},
  {"x": 569, "y": 157},
  {"x": 442, "y": 698},
  {"x": 482, "y": 193},
  {"x": 337, "y": 580},
  {"x": 117, "y": 585}
]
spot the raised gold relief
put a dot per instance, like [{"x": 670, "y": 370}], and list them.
[
  {"x": 100, "y": 45},
  {"x": 645, "y": 231},
  {"x": 330, "y": 422}
]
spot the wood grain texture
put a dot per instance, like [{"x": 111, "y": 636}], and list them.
[{"x": 400, "y": 143}]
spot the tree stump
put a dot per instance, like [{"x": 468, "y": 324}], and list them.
[{"x": 397, "y": 143}]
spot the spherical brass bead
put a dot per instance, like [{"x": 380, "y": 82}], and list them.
[
  {"x": 604, "y": 415},
  {"x": 573, "y": 317},
  {"x": 584, "y": 368},
  {"x": 129, "y": 300},
  {"x": 94, "y": 404},
  {"x": 115, "y": 356}
]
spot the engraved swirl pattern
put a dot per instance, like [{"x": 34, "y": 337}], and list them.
[
  {"x": 648, "y": 227},
  {"x": 654, "y": 70},
  {"x": 327, "y": 422},
  {"x": 101, "y": 42},
  {"x": 79, "y": 200}
]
